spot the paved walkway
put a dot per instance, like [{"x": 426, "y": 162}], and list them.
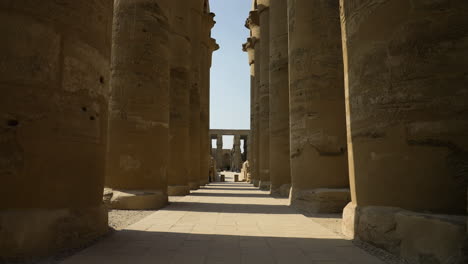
[{"x": 225, "y": 223}]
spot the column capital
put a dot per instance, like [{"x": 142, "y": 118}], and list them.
[{"x": 253, "y": 20}]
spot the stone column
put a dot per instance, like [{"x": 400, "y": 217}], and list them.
[
  {"x": 206, "y": 49},
  {"x": 406, "y": 91},
  {"x": 138, "y": 151},
  {"x": 253, "y": 44},
  {"x": 319, "y": 168},
  {"x": 237, "y": 154},
  {"x": 280, "y": 175},
  {"x": 246, "y": 148},
  {"x": 54, "y": 78},
  {"x": 219, "y": 151},
  {"x": 180, "y": 63},
  {"x": 264, "y": 95},
  {"x": 195, "y": 31}
]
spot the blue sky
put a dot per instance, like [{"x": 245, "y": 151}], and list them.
[{"x": 230, "y": 72}]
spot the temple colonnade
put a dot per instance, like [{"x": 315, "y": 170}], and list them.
[
  {"x": 236, "y": 156},
  {"x": 362, "y": 108},
  {"x": 98, "y": 94}
]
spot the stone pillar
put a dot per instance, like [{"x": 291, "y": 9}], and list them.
[
  {"x": 406, "y": 89},
  {"x": 319, "y": 168},
  {"x": 54, "y": 78},
  {"x": 236, "y": 159},
  {"x": 138, "y": 151},
  {"x": 205, "y": 65},
  {"x": 219, "y": 151},
  {"x": 264, "y": 95},
  {"x": 249, "y": 47},
  {"x": 280, "y": 175},
  {"x": 196, "y": 7},
  {"x": 253, "y": 47},
  {"x": 179, "y": 124},
  {"x": 246, "y": 148}
]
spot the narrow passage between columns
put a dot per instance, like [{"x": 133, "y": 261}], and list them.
[{"x": 228, "y": 222}]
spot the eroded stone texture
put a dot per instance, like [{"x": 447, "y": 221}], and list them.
[
  {"x": 180, "y": 63},
  {"x": 54, "y": 78},
  {"x": 138, "y": 148},
  {"x": 406, "y": 102},
  {"x": 264, "y": 95},
  {"x": 280, "y": 172},
  {"x": 317, "y": 105},
  {"x": 417, "y": 237},
  {"x": 406, "y": 65},
  {"x": 196, "y": 12}
]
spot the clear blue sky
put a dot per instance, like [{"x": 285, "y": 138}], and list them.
[{"x": 230, "y": 72}]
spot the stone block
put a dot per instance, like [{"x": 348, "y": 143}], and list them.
[
  {"x": 138, "y": 200},
  {"x": 322, "y": 200},
  {"x": 40, "y": 232},
  {"x": 416, "y": 237}
]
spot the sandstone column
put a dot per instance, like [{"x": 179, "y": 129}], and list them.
[
  {"x": 264, "y": 95},
  {"x": 219, "y": 151},
  {"x": 205, "y": 65},
  {"x": 249, "y": 47},
  {"x": 236, "y": 160},
  {"x": 253, "y": 45},
  {"x": 317, "y": 108},
  {"x": 138, "y": 148},
  {"x": 179, "y": 140},
  {"x": 407, "y": 122},
  {"x": 280, "y": 175},
  {"x": 196, "y": 9},
  {"x": 54, "y": 78}
]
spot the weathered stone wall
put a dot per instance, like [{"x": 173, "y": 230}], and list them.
[{"x": 54, "y": 78}]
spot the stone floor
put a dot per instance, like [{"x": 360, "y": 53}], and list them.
[{"x": 225, "y": 223}]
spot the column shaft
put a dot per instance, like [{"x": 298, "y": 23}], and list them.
[
  {"x": 205, "y": 65},
  {"x": 138, "y": 148},
  {"x": 264, "y": 95},
  {"x": 319, "y": 168},
  {"x": 407, "y": 125},
  {"x": 54, "y": 78},
  {"x": 219, "y": 151},
  {"x": 195, "y": 112},
  {"x": 178, "y": 171},
  {"x": 253, "y": 48},
  {"x": 280, "y": 175}
]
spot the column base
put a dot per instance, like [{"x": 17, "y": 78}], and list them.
[
  {"x": 256, "y": 183},
  {"x": 416, "y": 237},
  {"x": 282, "y": 191},
  {"x": 204, "y": 182},
  {"x": 138, "y": 199},
  {"x": 320, "y": 200},
  {"x": 42, "y": 232},
  {"x": 194, "y": 186},
  {"x": 178, "y": 190},
  {"x": 265, "y": 185}
]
